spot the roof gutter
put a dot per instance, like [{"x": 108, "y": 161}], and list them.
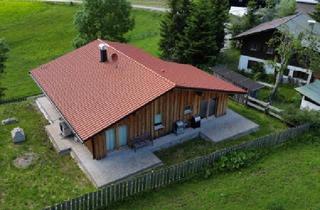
[
  {"x": 56, "y": 108},
  {"x": 220, "y": 91}
]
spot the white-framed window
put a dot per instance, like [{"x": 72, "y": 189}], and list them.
[
  {"x": 158, "y": 122},
  {"x": 187, "y": 110}
]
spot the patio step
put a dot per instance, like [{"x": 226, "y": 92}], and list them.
[{"x": 58, "y": 148}]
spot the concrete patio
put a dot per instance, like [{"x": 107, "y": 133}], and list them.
[{"x": 121, "y": 164}]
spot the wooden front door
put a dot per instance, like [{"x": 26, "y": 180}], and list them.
[
  {"x": 212, "y": 106},
  {"x": 123, "y": 135},
  {"x": 203, "y": 108},
  {"x": 110, "y": 139}
]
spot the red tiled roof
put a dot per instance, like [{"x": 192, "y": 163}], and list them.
[
  {"x": 92, "y": 96},
  {"x": 183, "y": 75}
]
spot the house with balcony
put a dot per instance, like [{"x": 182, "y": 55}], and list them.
[{"x": 255, "y": 50}]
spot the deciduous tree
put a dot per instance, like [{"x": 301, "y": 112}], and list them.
[
  {"x": 316, "y": 14},
  {"x": 105, "y": 19},
  {"x": 285, "y": 46}
]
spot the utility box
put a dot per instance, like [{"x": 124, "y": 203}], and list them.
[
  {"x": 64, "y": 129},
  {"x": 18, "y": 135},
  {"x": 196, "y": 122},
  {"x": 179, "y": 127}
]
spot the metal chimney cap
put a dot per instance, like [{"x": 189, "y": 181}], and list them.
[{"x": 103, "y": 46}]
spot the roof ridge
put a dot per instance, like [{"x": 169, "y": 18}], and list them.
[
  {"x": 147, "y": 68},
  {"x": 290, "y": 18}
]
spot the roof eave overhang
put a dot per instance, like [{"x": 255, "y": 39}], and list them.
[
  {"x": 216, "y": 90},
  {"x": 251, "y": 34},
  {"x": 57, "y": 109}
]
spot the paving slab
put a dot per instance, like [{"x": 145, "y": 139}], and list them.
[
  {"x": 116, "y": 166},
  {"x": 48, "y": 109},
  {"x": 231, "y": 125}
]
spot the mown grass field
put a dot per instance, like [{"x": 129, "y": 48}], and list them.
[
  {"x": 286, "y": 179},
  {"x": 50, "y": 179},
  {"x": 39, "y": 32},
  {"x": 198, "y": 147}
]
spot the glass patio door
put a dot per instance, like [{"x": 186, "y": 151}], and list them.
[
  {"x": 212, "y": 107},
  {"x": 203, "y": 108},
  {"x": 123, "y": 135},
  {"x": 110, "y": 139}
]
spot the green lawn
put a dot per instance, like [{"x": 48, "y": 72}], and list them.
[
  {"x": 39, "y": 32},
  {"x": 286, "y": 179},
  {"x": 198, "y": 147},
  {"x": 52, "y": 178},
  {"x": 286, "y": 98}
]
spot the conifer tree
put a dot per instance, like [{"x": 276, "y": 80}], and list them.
[
  {"x": 221, "y": 9},
  {"x": 204, "y": 34},
  {"x": 172, "y": 27}
]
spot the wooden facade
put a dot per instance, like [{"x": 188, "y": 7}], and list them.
[
  {"x": 257, "y": 45},
  {"x": 171, "y": 106}
]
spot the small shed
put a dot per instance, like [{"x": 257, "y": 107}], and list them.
[
  {"x": 311, "y": 96},
  {"x": 238, "y": 79}
]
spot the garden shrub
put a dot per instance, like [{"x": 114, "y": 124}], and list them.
[
  {"x": 299, "y": 117},
  {"x": 236, "y": 160}
]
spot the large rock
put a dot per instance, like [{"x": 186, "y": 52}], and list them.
[
  {"x": 9, "y": 121},
  {"x": 18, "y": 135}
]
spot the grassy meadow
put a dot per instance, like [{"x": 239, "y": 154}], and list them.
[
  {"x": 39, "y": 32},
  {"x": 50, "y": 179}
]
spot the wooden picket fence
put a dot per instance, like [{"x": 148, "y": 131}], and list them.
[
  {"x": 258, "y": 105},
  {"x": 112, "y": 193}
]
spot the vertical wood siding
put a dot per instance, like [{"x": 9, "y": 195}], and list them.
[{"x": 171, "y": 105}]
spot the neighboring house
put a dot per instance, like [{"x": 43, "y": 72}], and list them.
[
  {"x": 108, "y": 97},
  {"x": 239, "y": 80},
  {"x": 311, "y": 96},
  {"x": 306, "y": 6},
  {"x": 255, "y": 49}
]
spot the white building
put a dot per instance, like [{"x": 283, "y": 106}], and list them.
[{"x": 311, "y": 96}]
